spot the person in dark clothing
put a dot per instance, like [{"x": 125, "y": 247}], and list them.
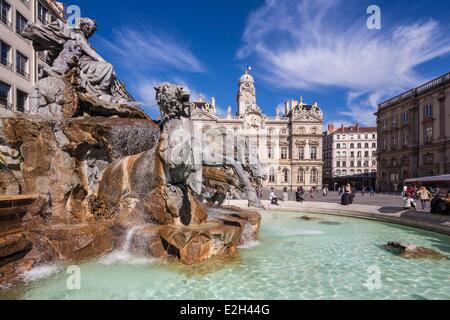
[{"x": 299, "y": 195}]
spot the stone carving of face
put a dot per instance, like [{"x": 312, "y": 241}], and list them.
[{"x": 88, "y": 26}]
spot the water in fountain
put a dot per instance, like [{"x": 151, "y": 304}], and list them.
[
  {"x": 41, "y": 272},
  {"x": 124, "y": 255},
  {"x": 248, "y": 237}
]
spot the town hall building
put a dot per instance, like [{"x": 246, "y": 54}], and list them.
[{"x": 289, "y": 144}]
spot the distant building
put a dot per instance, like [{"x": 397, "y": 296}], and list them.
[
  {"x": 414, "y": 134},
  {"x": 19, "y": 63},
  {"x": 350, "y": 156},
  {"x": 290, "y": 145}
]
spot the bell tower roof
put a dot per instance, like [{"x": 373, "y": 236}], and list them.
[{"x": 246, "y": 77}]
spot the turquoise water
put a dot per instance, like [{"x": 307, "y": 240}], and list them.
[{"x": 293, "y": 259}]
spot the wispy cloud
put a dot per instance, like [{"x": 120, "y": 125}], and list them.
[
  {"x": 317, "y": 44},
  {"x": 151, "y": 51},
  {"x": 146, "y": 59}
]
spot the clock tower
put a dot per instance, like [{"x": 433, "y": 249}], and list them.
[{"x": 246, "y": 97}]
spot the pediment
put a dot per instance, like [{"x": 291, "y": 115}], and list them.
[
  {"x": 307, "y": 117},
  {"x": 198, "y": 114}
]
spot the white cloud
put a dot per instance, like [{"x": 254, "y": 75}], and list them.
[
  {"x": 318, "y": 44},
  {"x": 146, "y": 50}
]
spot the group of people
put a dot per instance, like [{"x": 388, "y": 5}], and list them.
[
  {"x": 411, "y": 193},
  {"x": 439, "y": 202}
]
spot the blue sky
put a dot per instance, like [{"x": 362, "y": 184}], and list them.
[{"x": 318, "y": 49}]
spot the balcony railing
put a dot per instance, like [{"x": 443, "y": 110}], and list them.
[
  {"x": 5, "y": 20},
  {"x": 23, "y": 73},
  {"x": 419, "y": 90},
  {"x": 7, "y": 64},
  {"x": 5, "y": 104}
]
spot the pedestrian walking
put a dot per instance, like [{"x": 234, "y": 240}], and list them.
[
  {"x": 299, "y": 195},
  {"x": 424, "y": 196}
]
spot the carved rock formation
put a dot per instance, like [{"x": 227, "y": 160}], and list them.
[
  {"x": 93, "y": 179},
  {"x": 407, "y": 250}
]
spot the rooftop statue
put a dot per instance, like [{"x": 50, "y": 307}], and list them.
[{"x": 73, "y": 60}]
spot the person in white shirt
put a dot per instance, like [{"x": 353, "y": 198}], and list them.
[
  {"x": 273, "y": 198},
  {"x": 408, "y": 202},
  {"x": 404, "y": 191}
]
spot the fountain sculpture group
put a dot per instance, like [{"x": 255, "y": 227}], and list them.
[{"x": 86, "y": 165}]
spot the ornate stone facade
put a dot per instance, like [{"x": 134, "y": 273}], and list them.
[
  {"x": 414, "y": 135},
  {"x": 290, "y": 146}
]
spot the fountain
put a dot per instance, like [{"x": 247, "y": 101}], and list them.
[{"x": 89, "y": 173}]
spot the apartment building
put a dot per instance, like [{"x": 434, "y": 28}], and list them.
[
  {"x": 414, "y": 134},
  {"x": 20, "y": 64},
  {"x": 350, "y": 156}
]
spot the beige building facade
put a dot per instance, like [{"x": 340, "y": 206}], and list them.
[
  {"x": 20, "y": 64},
  {"x": 289, "y": 145},
  {"x": 414, "y": 134},
  {"x": 350, "y": 156}
]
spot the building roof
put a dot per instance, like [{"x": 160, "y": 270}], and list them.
[
  {"x": 424, "y": 88},
  {"x": 246, "y": 77},
  {"x": 354, "y": 129}
]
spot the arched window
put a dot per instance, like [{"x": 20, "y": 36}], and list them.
[
  {"x": 352, "y": 172},
  {"x": 344, "y": 173},
  {"x": 359, "y": 154},
  {"x": 359, "y": 145},
  {"x": 366, "y": 145},
  {"x": 338, "y": 164},
  {"x": 314, "y": 131},
  {"x": 286, "y": 176},
  {"x": 352, "y": 145},
  {"x": 359, "y": 165},
  {"x": 338, "y": 173}
]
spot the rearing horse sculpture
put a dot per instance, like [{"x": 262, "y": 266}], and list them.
[{"x": 184, "y": 155}]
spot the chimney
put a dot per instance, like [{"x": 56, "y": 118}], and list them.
[
  {"x": 330, "y": 128},
  {"x": 357, "y": 127},
  {"x": 342, "y": 127}
]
